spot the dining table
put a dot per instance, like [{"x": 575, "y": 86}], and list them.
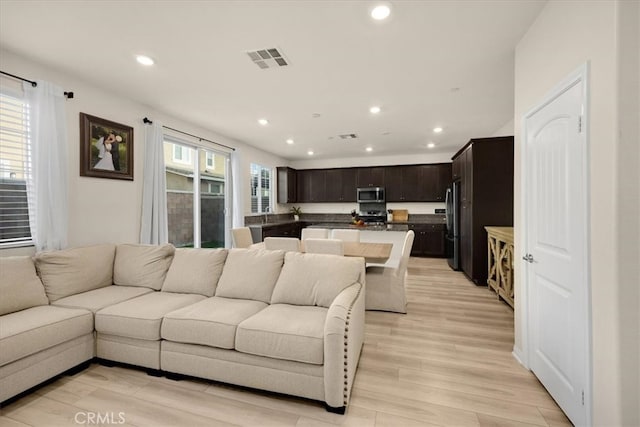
[{"x": 377, "y": 253}]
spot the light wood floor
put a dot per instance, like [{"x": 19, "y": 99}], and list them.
[{"x": 447, "y": 362}]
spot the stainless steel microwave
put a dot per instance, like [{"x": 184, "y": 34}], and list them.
[{"x": 370, "y": 194}]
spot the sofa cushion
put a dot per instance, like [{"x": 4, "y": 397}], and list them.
[
  {"x": 315, "y": 279},
  {"x": 142, "y": 265},
  {"x": 98, "y": 299},
  {"x": 29, "y": 331},
  {"x": 272, "y": 333},
  {"x": 250, "y": 274},
  {"x": 71, "y": 271},
  {"x": 211, "y": 322},
  {"x": 20, "y": 286},
  {"x": 141, "y": 317},
  {"x": 195, "y": 271}
]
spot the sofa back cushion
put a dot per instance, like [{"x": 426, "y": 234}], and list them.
[
  {"x": 195, "y": 271},
  {"x": 250, "y": 274},
  {"x": 142, "y": 265},
  {"x": 72, "y": 271},
  {"x": 316, "y": 279},
  {"x": 20, "y": 286}
]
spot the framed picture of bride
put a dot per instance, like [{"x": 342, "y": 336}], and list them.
[{"x": 106, "y": 148}]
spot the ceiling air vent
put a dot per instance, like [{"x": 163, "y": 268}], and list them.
[
  {"x": 348, "y": 136},
  {"x": 268, "y": 58}
]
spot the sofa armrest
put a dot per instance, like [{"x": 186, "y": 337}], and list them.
[{"x": 343, "y": 339}]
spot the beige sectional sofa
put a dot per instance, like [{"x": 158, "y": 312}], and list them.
[{"x": 286, "y": 322}]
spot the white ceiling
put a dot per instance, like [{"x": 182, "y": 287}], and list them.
[{"x": 341, "y": 63}]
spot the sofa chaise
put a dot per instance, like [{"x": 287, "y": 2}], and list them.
[{"x": 291, "y": 323}]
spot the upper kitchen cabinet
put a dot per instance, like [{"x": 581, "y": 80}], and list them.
[
  {"x": 417, "y": 183},
  {"x": 340, "y": 185},
  {"x": 287, "y": 188},
  {"x": 371, "y": 177},
  {"x": 436, "y": 179},
  {"x": 311, "y": 185}
]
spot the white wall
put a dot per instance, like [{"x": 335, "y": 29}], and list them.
[
  {"x": 564, "y": 36},
  {"x": 106, "y": 210},
  {"x": 402, "y": 159},
  {"x": 505, "y": 130},
  {"x": 628, "y": 215}
]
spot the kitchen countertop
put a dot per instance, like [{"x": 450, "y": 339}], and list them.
[
  {"x": 391, "y": 226},
  {"x": 347, "y": 226}
]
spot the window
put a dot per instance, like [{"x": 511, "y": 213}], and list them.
[
  {"x": 211, "y": 160},
  {"x": 196, "y": 200},
  {"x": 15, "y": 165},
  {"x": 260, "y": 189},
  {"x": 181, "y": 154}
]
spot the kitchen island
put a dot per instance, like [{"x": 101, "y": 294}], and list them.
[{"x": 429, "y": 231}]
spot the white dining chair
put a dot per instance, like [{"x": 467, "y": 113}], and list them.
[
  {"x": 241, "y": 237},
  {"x": 315, "y": 233},
  {"x": 289, "y": 244},
  {"x": 386, "y": 285},
  {"x": 346, "y": 235},
  {"x": 324, "y": 246}
]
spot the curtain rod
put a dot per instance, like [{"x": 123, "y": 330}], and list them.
[
  {"x": 146, "y": 120},
  {"x": 69, "y": 95}
]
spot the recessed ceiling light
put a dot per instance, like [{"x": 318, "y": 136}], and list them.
[
  {"x": 289, "y": 141},
  {"x": 374, "y": 110},
  {"x": 380, "y": 12},
  {"x": 144, "y": 60},
  {"x": 263, "y": 122},
  {"x": 369, "y": 149},
  {"x": 431, "y": 145},
  {"x": 437, "y": 130},
  {"x": 310, "y": 152}
]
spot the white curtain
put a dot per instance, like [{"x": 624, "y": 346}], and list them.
[
  {"x": 47, "y": 183},
  {"x": 154, "y": 227},
  {"x": 237, "y": 209}
]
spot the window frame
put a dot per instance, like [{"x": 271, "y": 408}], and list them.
[
  {"x": 197, "y": 184},
  {"x": 260, "y": 208},
  {"x": 26, "y": 241}
]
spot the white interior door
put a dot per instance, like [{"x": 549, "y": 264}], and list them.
[{"x": 556, "y": 246}]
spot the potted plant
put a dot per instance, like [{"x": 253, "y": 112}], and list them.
[{"x": 296, "y": 211}]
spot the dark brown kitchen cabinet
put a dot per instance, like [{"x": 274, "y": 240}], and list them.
[
  {"x": 311, "y": 185},
  {"x": 429, "y": 240},
  {"x": 293, "y": 229},
  {"x": 393, "y": 183},
  {"x": 371, "y": 177},
  {"x": 303, "y": 184},
  {"x": 435, "y": 179},
  {"x": 340, "y": 185},
  {"x": 457, "y": 166},
  {"x": 287, "y": 189},
  {"x": 417, "y": 183},
  {"x": 486, "y": 198},
  {"x": 318, "y": 179}
]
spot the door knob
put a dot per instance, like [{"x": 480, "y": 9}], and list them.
[{"x": 528, "y": 258}]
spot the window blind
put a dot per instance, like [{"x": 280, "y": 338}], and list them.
[
  {"x": 15, "y": 170},
  {"x": 260, "y": 188}
]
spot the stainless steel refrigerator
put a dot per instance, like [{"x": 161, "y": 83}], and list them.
[{"x": 452, "y": 202}]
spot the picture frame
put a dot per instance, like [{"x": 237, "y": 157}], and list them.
[{"x": 106, "y": 148}]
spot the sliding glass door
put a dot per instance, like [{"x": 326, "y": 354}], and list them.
[{"x": 199, "y": 222}]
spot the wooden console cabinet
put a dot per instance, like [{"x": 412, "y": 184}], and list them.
[{"x": 500, "y": 262}]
